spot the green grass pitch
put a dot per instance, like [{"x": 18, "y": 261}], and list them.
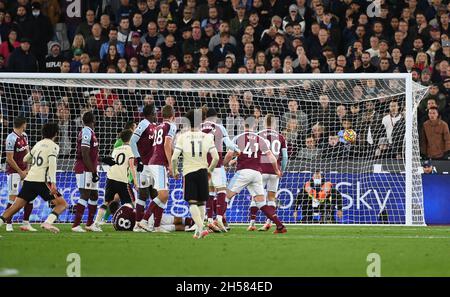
[{"x": 303, "y": 251}]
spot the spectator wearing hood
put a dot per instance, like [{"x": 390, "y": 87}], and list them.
[
  {"x": 40, "y": 32},
  {"x": 54, "y": 59}
]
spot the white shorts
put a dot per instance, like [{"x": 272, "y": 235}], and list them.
[
  {"x": 219, "y": 178},
  {"x": 144, "y": 178},
  {"x": 270, "y": 182},
  {"x": 160, "y": 177},
  {"x": 249, "y": 178},
  {"x": 84, "y": 181},
  {"x": 166, "y": 222},
  {"x": 14, "y": 184}
]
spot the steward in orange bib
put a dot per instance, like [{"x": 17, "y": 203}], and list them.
[{"x": 318, "y": 196}]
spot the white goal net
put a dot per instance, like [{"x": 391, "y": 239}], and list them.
[{"x": 359, "y": 131}]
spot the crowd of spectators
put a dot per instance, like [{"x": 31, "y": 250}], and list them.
[{"x": 241, "y": 36}]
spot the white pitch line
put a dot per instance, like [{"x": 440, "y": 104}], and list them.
[{"x": 343, "y": 237}]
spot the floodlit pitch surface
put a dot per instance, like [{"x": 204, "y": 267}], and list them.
[{"x": 303, "y": 251}]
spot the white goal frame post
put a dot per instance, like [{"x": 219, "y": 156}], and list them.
[{"x": 48, "y": 79}]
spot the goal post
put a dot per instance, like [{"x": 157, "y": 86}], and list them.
[{"x": 359, "y": 130}]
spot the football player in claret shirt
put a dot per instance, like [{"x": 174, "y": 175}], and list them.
[
  {"x": 278, "y": 147},
  {"x": 86, "y": 174},
  {"x": 253, "y": 151},
  {"x": 160, "y": 165},
  {"x": 41, "y": 179},
  {"x": 142, "y": 146},
  {"x": 17, "y": 169},
  {"x": 218, "y": 181}
]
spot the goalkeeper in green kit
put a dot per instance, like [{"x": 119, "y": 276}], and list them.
[{"x": 131, "y": 125}]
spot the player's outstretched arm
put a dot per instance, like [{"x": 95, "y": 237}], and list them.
[
  {"x": 133, "y": 171},
  {"x": 228, "y": 157},
  {"x": 27, "y": 159},
  {"x": 52, "y": 169},
  {"x": 11, "y": 162},
  {"x": 284, "y": 159},
  {"x": 174, "y": 161},
  {"x": 85, "y": 154},
  {"x": 215, "y": 159},
  {"x": 274, "y": 163},
  {"x": 133, "y": 143},
  {"x": 168, "y": 142}
]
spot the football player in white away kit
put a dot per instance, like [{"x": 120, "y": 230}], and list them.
[
  {"x": 218, "y": 181},
  {"x": 117, "y": 182},
  {"x": 16, "y": 170},
  {"x": 41, "y": 179},
  {"x": 248, "y": 171},
  {"x": 142, "y": 145},
  {"x": 195, "y": 146},
  {"x": 278, "y": 147}
]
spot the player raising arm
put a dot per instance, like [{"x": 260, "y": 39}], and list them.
[
  {"x": 248, "y": 171},
  {"x": 86, "y": 173},
  {"x": 130, "y": 125},
  {"x": 160, "y": 167},
  {"x": 41, "y": 179},
  {"x": 117, "y": 176},
  {"x": 17, "y": 169},
  {"x": 142, "y": 146},
  {"x": 277, "y": 145},
  {"x": 218, "y": 182},
  {"x": 195, "y": 146}
]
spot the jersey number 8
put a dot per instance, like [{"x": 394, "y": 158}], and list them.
[{"x": 124, "y": 223}]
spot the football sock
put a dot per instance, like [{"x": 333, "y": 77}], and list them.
[
  {"x": 268, "y": 211},
  {"x": 10, "y": 203},
  {"x": 210, "y": 205},
  {"x": 52, "y": 217},
  {"x": 107, "y": 214},
  {"x": 28, "y": 208},
  {"x": 79, "y": 210},
  {"x": 100, "y": 213},
  {"x": 221, "y": 204},
  {"x": 253, "y": 212},
  {"x": 195, "y": 212},
  {"x": 149, "y": 211},
  {"x": 158, "y": 212},
  {"x": 92, "y": 209},
  {"x": 273, "y": 206},
  {"x": 188, "y": 222},
  {"x": 140, "y": 206},
  {"x": 214, "y": 206},
  {"x": 202, "y": 209}
]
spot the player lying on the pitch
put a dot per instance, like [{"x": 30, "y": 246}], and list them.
[
  {"x": 125, "y": 219},
  {"x": 320, "y": 196},
  {"x": 41, "y": 179}
]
